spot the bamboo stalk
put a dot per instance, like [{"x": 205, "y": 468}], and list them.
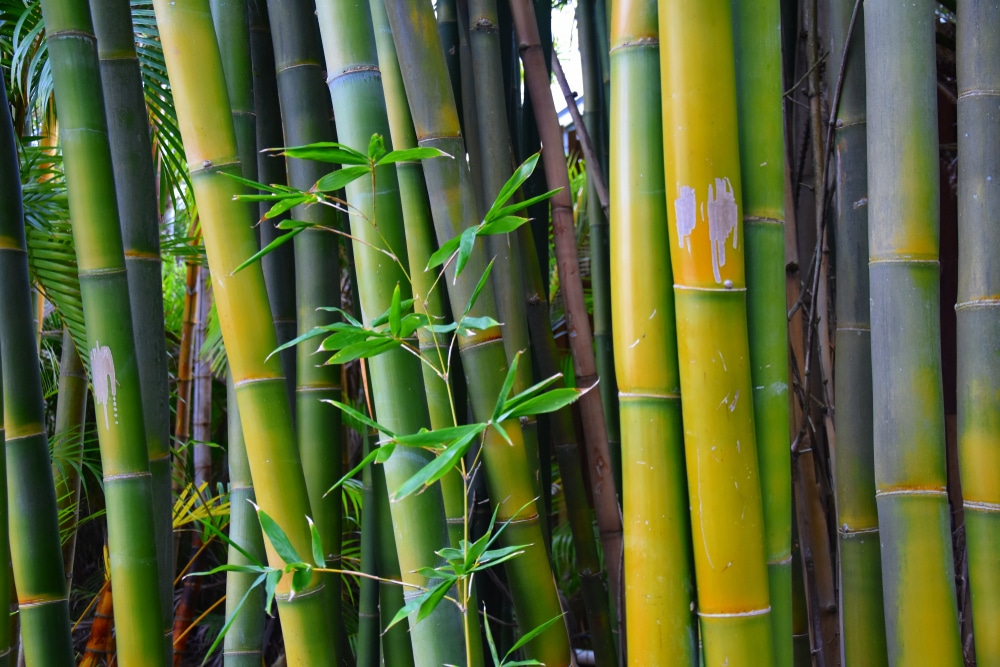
[
  {"x": 599, "y": 456},
  {"x": 702, "y": 172},
  {"x": 5, "y": 578},
  {"x": 757, "y": 34},
  {"x": 368, "y": 646},
  {"x": 34, "y": 529},
  {"x": 135, "y": 187},
  {"x": 67, "y": 446},
  {"x": 198, "y": 84},
  {"x": 903, "y": 199},
  {"x": 508, "y": 470},
  {"x": 96, "y": 652},
  {"x": 862, "y": 620},
  {"x": 661, "y": 627},
  {"x": 977, "y": 312}
]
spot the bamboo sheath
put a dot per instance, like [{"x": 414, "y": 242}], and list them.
[
  {"x": 978, "y": 312},
  {"x": 279, "y": 264},
  {"x": 862, "y": 621},
  {"x": 915, "y": 531},
  {"x": 135, "y": 187},
  {"x": 197, "y": 79},
  {"x": 67, "y": 445},
  {"x": 305, "y": 119},
  {"x": 659, "y": 577},
  {"x": 127, "y": 483},
  {"x": 757, "y": 36},
  {"x": 599, "y": 458},
  {"x": 702, "y": 172},
  {"x": 397, "y": 378},
  {"x": 508, "y": 470}
]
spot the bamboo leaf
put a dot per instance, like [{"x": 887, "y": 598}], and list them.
[
  {"x": 364, "y": 419},
  {"x": 327, "y": 151},
  {"x": 502, "y": 225},
  {"x": 395, "y": 317},
  {"x": 315, "y": 332},
  {"x": 465, "y": 243},
  {"x": 270, "y": 584},
  {"x": 438, "y": 438},
  {"x": 280, "y": 241},
  {"x": 364, "y": 350},
  {"x": 548, "y": 402},
  {"x": 336, "y": 180},
  {"x": 527, "y": 637},
  {"x": 378, "y": 455},
  {"x": 503, "y": 433},
  {"x": 236, "y": 612},
  {"x": 300, "y": 579},
  {"x": 472, "y": 324},
  {"x": 489, "y": 639},
  {"x": 479, "y": 287},
  {"x": 411, "y": 155},
  {"x": 317, "y": 544},
  {"x": 530, "y": 392},
  {"x": 520, "y": 206},
  {"x": 441, "y": 255},
  {"x": 376, "y": 147},
  {"x": 508, "y": 385},
  {"x": 436, "y": 595},
  {"x": 515, "y": 181},
  {"x": 279, "y": 540},
  {"x": 286, "y": 204},
  {"x": 437, "y": 468}
]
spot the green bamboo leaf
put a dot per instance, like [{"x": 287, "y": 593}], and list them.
[
  {"x": 364, "y": 350},
  {"x": 315, "y": 332},
  {"x": 479, "y": 287},
  {"x": 254, "y": 185},
  {"x": 465, "y": 243},
  {"x": 395, "y": 317},
  {"x": 279, "y": 540},
  {"x": 296, "y": 224},
  {"x": 300, "y": 579},
  {"x": 364, "y": 419},
  {"x": 378, "y": 455},
  {"x": 436, "y": 595},
  {"x": 411, "y": 155},
  {"x": 345, "y": 337},
  {"x": 442, "y": 328},
  {"x": 513, "y": 183},
  {"x": 404, "y": 306},
  {"x": 285, "y": 204},
  {"x": 489, "y": 639},
  {"x": 498, "y": 427},
  {"x": 530, "y": 392},
  {"x": 472, "y": 324},
  {"x": 548, "y": 402},
  {"x": 502, "y": 225},
  {"x": 327, "y": 151},
  {"x": 494, "y": 556},
  {"x": 511, "y": 209},
  {"x": 529, "y": 636},
  {"x": 280, "y": 241},
  {"x": 437, "y": 439},
  {"x": 412, "y": 322},
  {"x": 270, "y": 584},
  {"x": 236, "y": 612},
  {"x": 441, "y": 255},
  {"x": 437, "y": 468},
  {"x": 376, "y": 147},
  {"x": 248, "y": 569},
  {"x": 317, "y": 544},
  {"x": 508, "y": 385},
  {"x": 337, "y": 180}
]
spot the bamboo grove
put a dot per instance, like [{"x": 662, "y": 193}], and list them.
[{"x": 463, "y": 332}]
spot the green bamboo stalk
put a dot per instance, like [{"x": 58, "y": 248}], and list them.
[
  {"x": 369, "y": 629},
  {"x": 703, "y": 185},
  {"x": 67, "y": 445},
  {"x": 35, "y": 539},
  {"x": 452, "y": 198},
  {"x": 903, "y": 198},
  {"x": 978, "y": 50},
  {"x": 599, "y": 457},
  {"x": 469, "y": 106},
  {"x": 243, "y": 645},
  {"x": 5, "y": 579},
  {"x": 597, "y": 221},
  {"x": 279, "y": 264},
  {"x": 317, "y": 278},
  {"x": 232, "y": 29},
  {"x": 197, "y": 80},
  {"x": 661, "y": 626},
  {"x": 446, "y": 13},
  {"x": 757, "y": 36},
  {"x": 862, "y": 620},
  {"x": 396, "y": 377},
  {"x": 135, "y": 187}
]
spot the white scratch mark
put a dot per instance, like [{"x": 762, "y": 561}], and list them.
[
  {"x": 634, "y": 344},
  {"x": 861, "y": 202},
  {"x": 722, "y": 221},
  {"x": 723, "y": 360},
  {"x": 653, "y": 314},
  {"x": 102, "y": 366},
  {"x": 685, "y": 212},
  {"x": 732, "y": 406}
]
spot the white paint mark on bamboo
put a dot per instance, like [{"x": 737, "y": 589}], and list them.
[
  {"x": 102, "y": 366},
  {"x": 722, "y": 222},
  {"x": 635, "y": 343},
  {"x": 686, "y": 214}
]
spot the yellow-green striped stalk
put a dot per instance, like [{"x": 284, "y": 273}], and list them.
[
  {"x": 67, "y": 446},
  {"x": 599, "y": 458},
  {"x": 306, "y": 120},
  {"x": 862, "y": 618},
  {"x": 5, "y": 588},
  {"x": 508, "y": 471},
  {"x": 111, "y": 347},
  {"x": 396, "y": 377},
  {"x": 921, "y": 613},
  {"x": 757, "y": 36},
  {"x": 659, "y": 578},
  {"x": 203, "y": 110},
  {"x": 978, "y": 312},
  {"x": 279, "y": 264},
  {"x": 135, "y": 181},
  {"x": 702, "y": 175}
]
